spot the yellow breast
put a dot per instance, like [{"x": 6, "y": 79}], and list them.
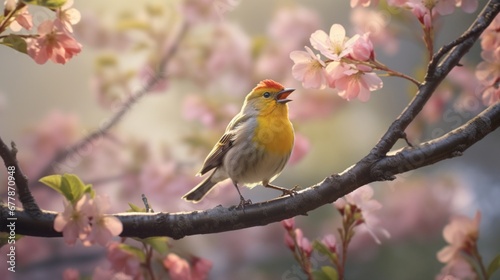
[{"x": 274, "y": 132}]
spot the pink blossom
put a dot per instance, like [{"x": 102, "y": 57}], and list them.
[
  {"x": 353, "y": 81},
  {"x": 333, "y": 46},
  {"x": 362, "y": 199},
  {"x": 362, "y": 3},
  {"x": 71, "y": 274},
  {"x": 300, "y": 148},
  {"x": 289, "y": 242},
  {"x": 362, "y": 49},
  {"x": 302, "y": 242},
  {"x": 123, "y": 261},
  {"x": 308, "y": 68},
  {"x": 488, "y": 73},
  {"x": 288, "y": 224},
  {"x": 200, "y": 268},
  {"x": 422, "y": 13},
  {"x": 53, "y": 43},
  {"x": 461, "y": 233},
  {"x": 178, "y": 268},
  {"x": 330, "y": 241},
  {"x": 457, "y": 269},
  {"x": 468, "y": 6},
  {"x": 104, "y": 228},
  {"x": 445, "y": 7},
  {"x": 22, "y": 19},
  {"x": 68, "y": 16},
  {"x": 73, "y": 222},
  {"x": 490, "y": 39}
]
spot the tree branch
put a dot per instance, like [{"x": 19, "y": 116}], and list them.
[
  {"x": 435, "y": 74},
  {"x": 376, "y": 166},
  {"x": 220, "y": 219},
  {"x": 9, "y": 157}
]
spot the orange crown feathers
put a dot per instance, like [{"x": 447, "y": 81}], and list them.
[{"x": 269, "y": 84}]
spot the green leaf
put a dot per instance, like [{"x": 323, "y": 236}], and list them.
[
  {"x": 51, "y": 4},
  {"x": 322, "y": 249},
  {"x": 16, "y": 42},
  {"x": 134, "y": 251},
  {"x": 326, "y": 273},
  {"x": 135, "y": 208},
  {"x": 72, "y": 187},
  {"x": 159, "y": 244},
  {"x": 494, "y": 266},
  {"x": 53, "y": 181}
]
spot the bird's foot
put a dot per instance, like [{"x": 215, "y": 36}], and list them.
[
  {"x": 243, "y": 203},
  {"x": 284, "y": 191}
]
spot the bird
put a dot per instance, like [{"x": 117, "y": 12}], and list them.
[{"x": 255, "y": 146}]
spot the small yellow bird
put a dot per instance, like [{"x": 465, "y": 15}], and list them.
[{"x": 256, "y": 145}]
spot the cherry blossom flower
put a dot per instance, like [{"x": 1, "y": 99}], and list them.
[
  {"x": 420, "y": 11},
  {"x": 22, "y": 19},
  {"x": 68, "y": 16},
  {"x": 362, "y": 199},
  {"x": 488, "y": 73},
  {"x": 73, "y": 222},
  {"x": 289, "y": 242},
  {"x": 200, "y": 268},
  {"x": 123, "y": 261},
  {"x": 335, "y": 45},
  {"x": 71, "y": 274},
  {"x": 457, "y": 269},
  {"x": 288, "y": 224},
  {"x": 330, "y": 242},
  {"x": 490, "y": 39},
  {"x": 444, "y": 7},
  {"x": 461, "y": 233},
  {"x": 362, "y": 49},
  {"x": 308, "y": 68},
  {"x": 178, "y": 268},
  {"x": 53, "y": 43},
  {"x": 353, "y": 81},
  {"x": 104, "y": 228},
  {"x": 302, "y": 242}
]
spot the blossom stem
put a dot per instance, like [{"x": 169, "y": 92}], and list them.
[
  {"x": 149, "y": 255},
  {"x": 380, "y": 66},
  {"x": 21, "y": 35},
  {"x": 6, "y": 21},
  {"x": 480, "y": 269}
]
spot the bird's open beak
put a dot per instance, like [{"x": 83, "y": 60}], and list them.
[{"x": 281, "y": 97}]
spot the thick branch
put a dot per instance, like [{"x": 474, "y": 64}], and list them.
[
  {"x": 220, "y": 219},
  {"x": 435, "y": 74},
  {"x": 374, "y": 167}
]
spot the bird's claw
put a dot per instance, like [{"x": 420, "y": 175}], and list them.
[
  {"x": 290, "y": 192},
  {"x": 243, "y": 203}
]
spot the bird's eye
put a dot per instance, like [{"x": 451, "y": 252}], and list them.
[{"x": 266, "y": 94}]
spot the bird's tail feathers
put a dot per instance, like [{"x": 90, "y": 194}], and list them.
[{"x": 198, "y": 192}]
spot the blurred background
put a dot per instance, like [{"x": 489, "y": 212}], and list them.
[{"x": 160, "y": 144}]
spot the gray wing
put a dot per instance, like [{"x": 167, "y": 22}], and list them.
[{"x": 225, "y": 143}]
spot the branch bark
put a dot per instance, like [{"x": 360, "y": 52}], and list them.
[{"x": 376, "y": 166}]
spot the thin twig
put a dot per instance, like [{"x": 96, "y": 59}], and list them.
[{"x": 9, "y": 157}]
